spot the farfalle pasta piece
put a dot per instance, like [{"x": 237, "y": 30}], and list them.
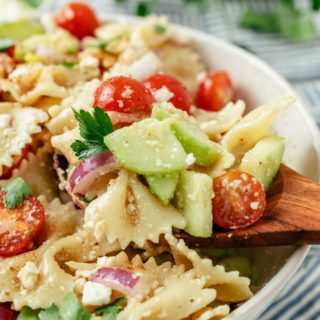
[
  {"x": 128, "y": 212},
  {"x": 229, "y": 285},
  {"x": 216, "y": 123},
  {"x": 177, "y": 299},
  {"x": 247, "y": 132},
  {"x": 62, "y": 116},
  {"x": 224, "y": 161},
  {"x": 17, "y": 125},
  {"x": 61, "y": 220}
]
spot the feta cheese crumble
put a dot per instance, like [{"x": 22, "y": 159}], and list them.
[
  {"x": 163, "y": 94},
  {"x": 190, "y": 160},
  {"x": 28, "y": 275},
  {"x": 95, "y": 294}
]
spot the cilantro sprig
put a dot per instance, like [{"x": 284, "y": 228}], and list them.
[
  {"x": 93, "y": 129},
  {"x": 15, "y": 192}
]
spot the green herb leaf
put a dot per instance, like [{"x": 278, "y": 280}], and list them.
[
  {"x": 68, "y": 64},
  {"x": 266, "y": 22},
  {"x": 103, "y": 44},
  {"x": 110, "y": 312},
  {"x": 16, "y": 191},
  {"x": 71, "y": 309},
  {"x": 6, "y": 43},
  {"x": 32, "y": 3},
  {"x": 143, "y": 9},
  {"x": 316, "y": 5},
  {"x": 159, "y": 28},
  {"x": 51, "y": 313},
  {"x": 93, "y": 128},
  {"x": 28, "y": 314}
]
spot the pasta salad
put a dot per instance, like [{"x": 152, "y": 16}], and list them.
[{"x": 114, "y": 138}]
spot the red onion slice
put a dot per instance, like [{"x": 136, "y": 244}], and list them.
[
  {"x": 121, "y": 280},
  {"x": 91, "y": 169},
  {"x": 6, "y": 313}
]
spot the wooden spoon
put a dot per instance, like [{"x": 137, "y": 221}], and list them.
[{"x": 292, "y": 217}]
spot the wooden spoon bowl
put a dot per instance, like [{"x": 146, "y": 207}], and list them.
[{"x": 292, "y": 217}]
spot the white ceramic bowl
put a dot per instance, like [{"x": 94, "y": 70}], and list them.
[{"x": 257, "y": 82}]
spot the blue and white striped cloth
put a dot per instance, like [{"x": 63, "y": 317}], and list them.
[{"x": 300, "y": 63}]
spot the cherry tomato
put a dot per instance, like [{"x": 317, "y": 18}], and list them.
[
  {"x": 181, "y": 98},
  {"x": 19, "y": 227},
  {"x": 6, "y": 312},
  {"x": 123, "y": 94},
  {"x": 215, "y": 91},
  {"x": 7, "y": 171},
  {"x": 77, "y": 18},
  {"x": 239, "y": 200}
]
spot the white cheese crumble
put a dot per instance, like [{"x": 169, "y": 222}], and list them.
[
  {"x": 28, "y": 275},
  {"x": 127, "y": 92},
  {"x": 254, "y": 205},
  {"x": 5, "y": 120},
  {"x": 95, "y": 294},
  {"x": 190, "y": 160},
  {"x": 163, "y": 94}
]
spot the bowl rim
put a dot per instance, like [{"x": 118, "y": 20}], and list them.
[{"x": 281, "y": 279}]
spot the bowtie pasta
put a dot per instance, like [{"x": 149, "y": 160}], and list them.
[{"x": 113, "y": 138}]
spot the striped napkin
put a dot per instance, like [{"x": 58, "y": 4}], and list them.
[{"x": 300, "y": 63}]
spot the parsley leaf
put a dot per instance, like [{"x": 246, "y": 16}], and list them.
[
  {"x": 110, "y": 312},
  {"x": 71, "y": 309},
  {"x": 16, "y": 191},
  {"x": 68, "y": 64},
  {"x": 28, "y": 314},
  {"x": 158, "y": 28},
  {"x": 51, "y": 313},
  {"x": 93, "y": 129}
]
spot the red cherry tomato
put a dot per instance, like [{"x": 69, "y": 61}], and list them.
[
  {"x": 123, "y": 94},
  {"x": 181, "y": 98},
  {"x": 78, "y": 18},
  {"x": 215, "y": 91},
  {"x": 7, "y": 171},
  {"x": 6, "y": 312},
  {"x": 19, "y": 227},
  {"x": 239, "y": 200}
]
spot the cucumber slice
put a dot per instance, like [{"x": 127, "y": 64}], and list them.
[
  {"x": 147, "y": 147},
  {"x": 238, "y": 263},
  {"x": 190, "y": 136},
  {"x": 20, "y": 30},
  {"x": 264, "y": 159},
  {"x": 163, "y": 186},
  {"x": 193, "y": 197}
]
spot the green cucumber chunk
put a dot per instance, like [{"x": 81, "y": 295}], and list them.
[
  {"x": 190, "y": 136},
  {"x": 147, "y": 147},
  {"x": 193, "y": 197},
  {"x": 238, "y": 263},
  {"x": 264, "y": 159},
  {"x": 163, "y": 186},
  {"x": 20, "y": 30}
]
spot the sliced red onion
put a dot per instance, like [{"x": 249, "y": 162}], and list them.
[
  {"x": 6, "y": 313},
  {"x": 91, "y": 169},
  {"x": 121, "y": 280}
]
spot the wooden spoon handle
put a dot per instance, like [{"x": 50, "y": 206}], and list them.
[{"x": 292, "y": 217}]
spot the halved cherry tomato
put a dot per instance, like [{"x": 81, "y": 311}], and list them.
[
  {"x": 6, "y": 312},
  {"x": 181, "y": 98},
  {"x": 215, "y": 91},
  {"x": 7, "y": 171},
  {"x": 239, "y": 200},
  {"x": 19, "y": 227},
  {"x": 123, "y": 94},
  {"x": 78, "y": 18}
]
